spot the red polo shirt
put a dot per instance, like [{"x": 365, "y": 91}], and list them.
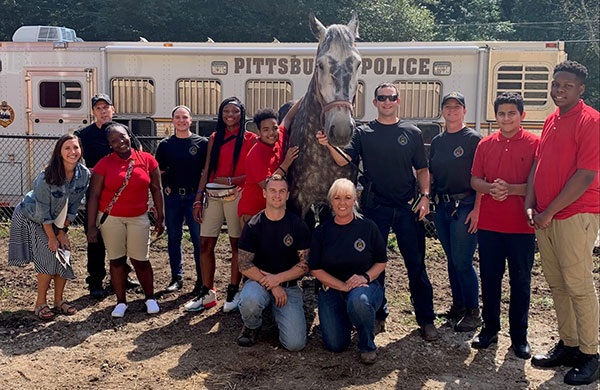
[
  {"x": 225, "y": 164},
  {"x": 509, "y": 159},
  {"x": 569, "y": 142},
  {"x": 133, "y": 201},
  {"x": 262, "y": 161}
]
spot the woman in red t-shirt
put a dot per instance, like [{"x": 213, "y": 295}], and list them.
[
  {"x": 225, "y": 166},
  {"x": 118, "y": 206}
]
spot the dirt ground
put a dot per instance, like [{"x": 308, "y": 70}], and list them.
[{"x": 182, "y": 350}]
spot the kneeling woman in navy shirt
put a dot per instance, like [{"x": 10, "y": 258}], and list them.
[{"x": 347, "y": 255}]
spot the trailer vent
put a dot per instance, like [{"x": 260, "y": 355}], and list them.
[
  {"x": 530, "y": 81},
  {"x": 267, "y": 94},
  {"x": 133, "y": 96},
  {"x": 419, "y": 99},
  {"x": 202, "y": 96}
]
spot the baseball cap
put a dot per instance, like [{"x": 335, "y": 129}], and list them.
[
  {"x": 99, "y": 97},
  {"x": 454, "y": 95}
]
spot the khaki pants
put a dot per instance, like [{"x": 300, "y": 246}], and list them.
[{"x": 566, "y": 249}]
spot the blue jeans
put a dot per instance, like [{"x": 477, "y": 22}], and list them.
[
  {"x": 495, "y": 250},
  {"x": 405, "y": 226},
  {"x": 459, "y": 246},
  {"x": 339, "y": 311},
  {"x": 290, "y": 319},
  {"x": 177, "y": 208}
]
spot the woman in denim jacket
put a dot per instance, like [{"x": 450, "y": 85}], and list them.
[{"x": 39, "y": 225}]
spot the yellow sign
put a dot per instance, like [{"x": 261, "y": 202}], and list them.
[{"x": 7, "y": 114}]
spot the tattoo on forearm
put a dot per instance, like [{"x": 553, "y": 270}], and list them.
[
  {"x": 303, "y": 263},
  {"x": 245, "y": 260}
]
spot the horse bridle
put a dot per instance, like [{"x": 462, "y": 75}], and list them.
[{"x": 328, "y": 106}]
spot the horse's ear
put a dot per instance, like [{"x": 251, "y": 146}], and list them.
[
  {"x": 353, "y": 25},
  {"x": 316, "y": 27}
]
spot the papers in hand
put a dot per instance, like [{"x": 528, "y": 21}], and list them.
[{"x": 64, "y": 257}]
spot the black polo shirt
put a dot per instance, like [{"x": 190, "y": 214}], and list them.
[
  {"x": 275, "y": 244},
  {"x": 182, "y": 161},
  {"x": 450, "y": 161},
  {"x": 345, "y": 250},
  {"x": 389, "y": 153}
]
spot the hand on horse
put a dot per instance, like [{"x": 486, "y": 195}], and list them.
[
  {"x": 322, "y": 138},
  {"x": 290, "y": 156}
]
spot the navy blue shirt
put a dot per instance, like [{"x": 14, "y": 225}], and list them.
[
  {"x": 389, "y": 153},
  {"x": 345, "y": 250}
]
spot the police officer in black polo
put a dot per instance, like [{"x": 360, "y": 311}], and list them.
[{"x": 390, "y": 150}]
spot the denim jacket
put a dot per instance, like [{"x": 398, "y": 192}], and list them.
[{"x": 45, "y": 202}]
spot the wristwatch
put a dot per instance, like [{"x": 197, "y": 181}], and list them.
[{"x": 426, "y": 195}]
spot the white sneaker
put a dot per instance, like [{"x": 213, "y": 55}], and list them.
[
  {"x": 119, "y": 310},
  {"x": 152, "y": 306},
  {"x": 206, "y": 300},
  {"x": 233, "y": 305}
]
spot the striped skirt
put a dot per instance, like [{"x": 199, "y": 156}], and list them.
[{"x": 28, "y": 242}]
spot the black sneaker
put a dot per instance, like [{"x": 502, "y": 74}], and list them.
[
  {"x": 97, "y": 293},
  {"x": 247, "y": 337},
  {"x": 559, "y": 355},
  {"x": 585, "y": 372},
  {"x": 175, "y": 285}
]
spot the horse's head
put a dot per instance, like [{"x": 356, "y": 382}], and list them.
[{"x": 336, "y": 77}]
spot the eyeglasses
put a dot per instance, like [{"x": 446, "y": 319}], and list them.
[{"x": 391, "y": 98}]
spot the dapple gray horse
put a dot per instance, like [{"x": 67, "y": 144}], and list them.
[{"x": 327, "y": 106}]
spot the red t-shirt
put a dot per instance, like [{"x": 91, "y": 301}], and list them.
[
  {"x": 262, "y": 161},
  {"x": 225, "y": 164},
  {"x": 569, "y": 142},
  {"x": 509, "y": 159},
  {"x": 133, "y": 201}
]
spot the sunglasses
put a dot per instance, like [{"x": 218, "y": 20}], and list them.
[{"x": 391, "y": 98}]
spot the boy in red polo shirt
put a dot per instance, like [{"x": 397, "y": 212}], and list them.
[
  {"x": 265, "y": 159},
  {"x": 501, "y": 166},
  {"x": 563, "y": 202}
]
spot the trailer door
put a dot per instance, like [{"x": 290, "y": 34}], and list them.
[{"x": 58, "y": 101}]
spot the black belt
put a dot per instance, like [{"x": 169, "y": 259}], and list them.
[
  {"x": 183, "y": 191},
  {"x": 290, "y": 283},
  {"x": 447, "y": 198}
]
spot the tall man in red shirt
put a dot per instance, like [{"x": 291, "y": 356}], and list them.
[
  {"x": 563, "y": 202},
  {"x": 501, "y": 167}
]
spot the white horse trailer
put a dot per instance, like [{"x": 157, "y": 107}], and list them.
[{"x": 46, "y": 87}]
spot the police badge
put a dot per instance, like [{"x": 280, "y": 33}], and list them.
[
  {"x": 288, "y": 240},
  {"x": 458, "y": 152},
  {"x": 359, "y": 245}
]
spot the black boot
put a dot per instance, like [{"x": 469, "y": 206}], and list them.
[
  {"x": 176, "y": 284},
  {"x": 560, "y": 355},
  {"x": 585, "y": 372},
  {"x": 471, "y": 321}
]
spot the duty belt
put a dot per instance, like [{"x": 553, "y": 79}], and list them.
[
  {"x": 447, "y": 198},
  {"x": 185, "y": 191}
]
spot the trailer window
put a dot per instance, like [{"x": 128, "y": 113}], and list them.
[
  {"x": 133, "y": 96},
  {"x": 419, "y": 99},
  {"x": 530, "y": 81},
  {"x": 202, "y": 96},
  {"x": 267, "y": 94},
  {"x": 60, "y": 94}
]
